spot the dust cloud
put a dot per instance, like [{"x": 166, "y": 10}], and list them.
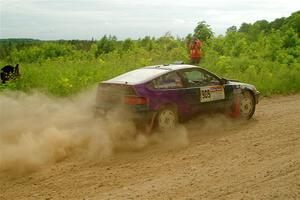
[{"x": 38, "y": 130}]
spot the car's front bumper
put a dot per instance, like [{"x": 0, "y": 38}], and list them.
[{"x": 256, "y": 96}]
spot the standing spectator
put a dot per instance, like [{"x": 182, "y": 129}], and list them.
[{"x": 195, "y": 51}]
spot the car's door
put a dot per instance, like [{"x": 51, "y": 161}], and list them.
[
  {"x": 167, "y": 89},
  {"x": 203, "y": 90}
]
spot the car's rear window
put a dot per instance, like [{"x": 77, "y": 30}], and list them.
[{"x": 138, "y": 76}]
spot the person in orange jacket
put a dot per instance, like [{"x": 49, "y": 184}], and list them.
[{"x": 195, "y": 51}]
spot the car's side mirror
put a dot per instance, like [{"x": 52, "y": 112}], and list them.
[
  {"x": 209, "y": 79},
  {"x": 223, "y": 81}
]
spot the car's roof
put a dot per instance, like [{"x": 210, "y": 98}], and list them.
[
  {"x": 146, "y": 74},
  {"x": 171, "y": 67}
]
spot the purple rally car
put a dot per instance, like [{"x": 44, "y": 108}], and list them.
[{"x": 162, "y": 95}]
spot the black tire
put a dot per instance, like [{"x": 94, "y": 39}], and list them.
[
  {"x": 247, "y": 105},
  {"x": 167, "y": 118}
]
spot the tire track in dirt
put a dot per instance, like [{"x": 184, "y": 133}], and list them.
[{"x": 225, "y": 159}]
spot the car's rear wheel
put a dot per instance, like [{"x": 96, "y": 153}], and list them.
[
  {"x": 167, "y": 118},
  {"x": 247, "y": 105}
]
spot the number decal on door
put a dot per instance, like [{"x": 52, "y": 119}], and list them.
[{"x": 211, "y": 93}]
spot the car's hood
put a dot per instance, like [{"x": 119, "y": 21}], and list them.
[{"x": 242, "y": 85}]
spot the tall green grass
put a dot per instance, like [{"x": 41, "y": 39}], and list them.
[{"x": 68, "y": 77}]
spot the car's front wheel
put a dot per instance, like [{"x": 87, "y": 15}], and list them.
[
  {"x": 247, "y": 105},
  {"x": 167, "y": 118}
]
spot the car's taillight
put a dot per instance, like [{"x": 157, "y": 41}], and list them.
[{"x": 135, "y": 100}]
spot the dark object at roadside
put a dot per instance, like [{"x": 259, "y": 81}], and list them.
[{"x": 9, "y": 72}]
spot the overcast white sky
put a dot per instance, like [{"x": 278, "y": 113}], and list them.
[{"x": 84, "y": 19}]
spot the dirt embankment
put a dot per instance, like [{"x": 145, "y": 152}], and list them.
[{"x": 60, "y": 152}]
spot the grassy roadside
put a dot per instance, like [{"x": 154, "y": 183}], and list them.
[{"x": 65, "y": 78}]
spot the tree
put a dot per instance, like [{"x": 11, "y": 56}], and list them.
[
  {"x": 245, "y": 28},
  {"x": 293, "y": 21},
  {"x": 277, "y": 23},
  {"x": 127, "y": 44},
  {"x": 203, "y": 31},
  {"x": 231, "y": 29},
  {"x": 262, "y": 25},
  {"x": 106, "y": 44}
]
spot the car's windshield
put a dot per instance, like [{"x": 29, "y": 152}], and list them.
[{"x": 196, "y": 77}]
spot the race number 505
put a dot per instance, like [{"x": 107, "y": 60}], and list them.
[{"x": 205, "y": 94}]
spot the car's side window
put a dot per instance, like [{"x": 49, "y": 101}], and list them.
[
  {"x": 168, "y": 81},
  {"x": 198, "y": 78}
]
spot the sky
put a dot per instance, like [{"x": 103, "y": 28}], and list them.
[{"x": 87, "y": 19}]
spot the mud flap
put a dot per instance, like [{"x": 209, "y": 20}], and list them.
[{"x": 236, "y": 111}]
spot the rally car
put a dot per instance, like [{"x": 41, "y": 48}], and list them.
[{"x": 163, "y": 95}]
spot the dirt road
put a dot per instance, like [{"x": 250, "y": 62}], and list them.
[{"x": 258, "y": 159}]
